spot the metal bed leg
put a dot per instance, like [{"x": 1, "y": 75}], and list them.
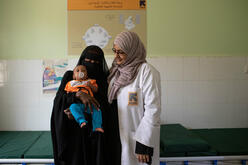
[
  {"x": 243, "y": 162},
  {"x": 186, "y": 162},
  {"x": 215, "y": 162},
  {"x": 162, "y": 163}
]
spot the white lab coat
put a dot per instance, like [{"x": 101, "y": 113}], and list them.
[{"x": 139, "y": 107}]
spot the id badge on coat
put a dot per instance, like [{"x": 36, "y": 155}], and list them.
[{"x": 133, "y": 98}]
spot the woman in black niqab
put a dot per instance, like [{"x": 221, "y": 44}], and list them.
[{"x": 73, "y": 145}]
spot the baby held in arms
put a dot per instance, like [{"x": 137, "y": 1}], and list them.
[{"x": 81, "y": 82}]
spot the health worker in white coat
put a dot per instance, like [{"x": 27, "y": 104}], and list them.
[{"x": 135, "y": 92}]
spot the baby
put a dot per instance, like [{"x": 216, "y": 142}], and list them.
[{"x": 81, "y": 82}]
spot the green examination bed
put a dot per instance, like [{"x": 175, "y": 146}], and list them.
[
  {"x": 208, "y": 144},
  {"x": 177, "y": 143},
  {"x": 25, "y": 146}
]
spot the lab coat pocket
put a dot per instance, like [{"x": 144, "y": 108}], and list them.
[
  {"x": 135, "y": 103},
  {"x": 133, "y": 97}
]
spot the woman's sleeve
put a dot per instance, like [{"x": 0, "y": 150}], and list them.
[
  {"x": 143, "y": 149},
  {"x": 60, "y": 124},
  {"x": 148, "y": 131}
]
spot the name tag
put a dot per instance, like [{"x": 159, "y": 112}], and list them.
[{"x": 132, "y": 98}]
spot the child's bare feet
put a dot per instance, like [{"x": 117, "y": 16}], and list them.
[
  {"x": 99, "y": 130},
  {"x": 83, "y": 124}
]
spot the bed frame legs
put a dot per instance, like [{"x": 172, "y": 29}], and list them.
[{"x": 215, "y": 162}]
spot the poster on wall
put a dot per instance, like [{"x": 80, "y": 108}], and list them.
[
  {"x": 97, "y": 22},
  {"x": 53, "y": 71},
  {"x": 106, "y": 4}
]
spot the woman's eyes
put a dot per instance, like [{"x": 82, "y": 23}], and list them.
[{"x": 91, "y": 61}]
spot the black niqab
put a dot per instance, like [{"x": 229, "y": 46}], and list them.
[
  {"x": 94, "y": 53},
  {"x": 99, "y": 70}
]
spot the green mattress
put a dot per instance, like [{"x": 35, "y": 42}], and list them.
[
  {"x": 42, "y": 148},
  {"x": 226, "y": 141},
  {"x": 25, "y": 144},
  {"x": 5, "y": 136},
  {"x": 176, "y": 140}
]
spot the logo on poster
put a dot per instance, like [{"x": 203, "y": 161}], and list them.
[{"x": 142, "y": 3}]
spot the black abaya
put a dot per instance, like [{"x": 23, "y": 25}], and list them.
[{"x": 73, "y": 145}]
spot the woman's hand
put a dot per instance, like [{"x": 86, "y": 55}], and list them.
[
  {"x": 142, "y": 158},
  {"x": 87, "y": 100},
  {"x": 68, "y": 113}
]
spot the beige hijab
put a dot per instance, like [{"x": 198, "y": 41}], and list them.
[{"x": 125, "y": 73}]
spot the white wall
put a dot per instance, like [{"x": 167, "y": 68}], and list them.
[
  {"x": 198, "y": 92},
  {"x": 204, "y": 92}
]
